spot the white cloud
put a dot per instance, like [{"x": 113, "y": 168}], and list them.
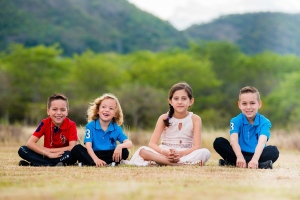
[{"x": 184, "y": 13}]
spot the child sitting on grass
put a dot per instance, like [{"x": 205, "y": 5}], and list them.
[
  {"x": 179, "y": 131},
  {"x": 60, "y": 136},
  {"x": 249, "y": 132},
  {"x": 102, "y": 133}
]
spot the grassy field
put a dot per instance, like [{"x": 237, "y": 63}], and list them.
[{"x": 128, "y": 182}]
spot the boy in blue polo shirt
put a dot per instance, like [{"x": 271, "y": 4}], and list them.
[
  {"x": 249, "y": 132},
  {"x": 102, "y": 133}
]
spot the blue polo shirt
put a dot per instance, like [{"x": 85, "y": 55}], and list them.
[
  {"x": 103, "y": 140},
  {"x": 249, "y": 133}
]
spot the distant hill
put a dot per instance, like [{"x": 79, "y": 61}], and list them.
[
  {"x": 100, "y": 25},
  {"x": 253, "y": 32},
  {"x": 117, "y": 25}
]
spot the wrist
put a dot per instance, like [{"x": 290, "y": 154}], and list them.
[{"x": 44, "y": 153}]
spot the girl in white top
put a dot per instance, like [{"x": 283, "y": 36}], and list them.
[{"x": 179, "y": 131}]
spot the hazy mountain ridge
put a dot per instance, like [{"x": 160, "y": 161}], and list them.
[
  {"x": 254, "y": 32},
  {"x": 99, "y": 25},
  {"x": 105, "y": 25}
]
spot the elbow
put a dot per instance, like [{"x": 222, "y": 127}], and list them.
[
  {"x": 28, "y": 144},
  {"x": 130, "y": 145}
]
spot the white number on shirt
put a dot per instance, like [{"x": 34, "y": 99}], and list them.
[
  {"x": 232, "y": 125},
  {"x": 87, "y": 133}
]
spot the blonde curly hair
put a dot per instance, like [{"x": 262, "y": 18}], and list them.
[{"x": 92, "y": 112}]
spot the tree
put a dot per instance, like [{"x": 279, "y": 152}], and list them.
[{"x": 32, "y": 75}]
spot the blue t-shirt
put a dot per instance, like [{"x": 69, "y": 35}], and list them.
[
  {"x": 249, "y": 133},
  {"x": 103, "y": 140}
]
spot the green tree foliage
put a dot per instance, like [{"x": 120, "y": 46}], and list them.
[
  {"x": 162, "y": 70},
  {"x": 283, "y": 103},
  {"x": 31, "y": 75},
  {"x": 92, "y": 74},
  {"x": 142, "y": 105},
  {"x": 141, "y": 80}
]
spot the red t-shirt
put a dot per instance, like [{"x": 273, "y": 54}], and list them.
[{"x": 55, "y": 137}]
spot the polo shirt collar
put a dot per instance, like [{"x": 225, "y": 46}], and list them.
[
  {"x": 63, "y": 126},
  {"x": 256, "y": 119},
  {"x": 110, "y": 126}
]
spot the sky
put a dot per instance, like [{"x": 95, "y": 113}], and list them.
[{"x": 184, "y": 13}]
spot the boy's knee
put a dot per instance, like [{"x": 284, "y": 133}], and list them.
[
  {"x": 23, "y": 150},
  {"x": 125, "y": 153},
  {"x": 275, "y": 153},
  {"x": 76, "y": 148},
  {"x": 218, "y": 141}
]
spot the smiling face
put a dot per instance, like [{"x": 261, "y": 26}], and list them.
[
  {"x": 58, "y": 111},
  {"x": 107, "y": 110},
  {"x": 181, "y": 101},
  {"x": 249, "y": 105}
]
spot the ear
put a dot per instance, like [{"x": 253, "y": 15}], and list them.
[
  {"x": 259, "y": 104},
  {"x": 192, "y": 101},
  {"x": 239, "y": 103},
  {"x": 48, "y": 111}
]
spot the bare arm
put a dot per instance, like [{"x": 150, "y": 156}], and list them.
[
  {"x": 258, "y": 150},
  {"x": 32, "y": 144},
  {"x": 117, "y": 156},
  {"x": 240, "y": 160},
  {"x": 66, "y": 148},
  {"x": 153, "y": 143}
]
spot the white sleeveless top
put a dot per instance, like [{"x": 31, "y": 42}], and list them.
[{"x": 175, "y": 138}]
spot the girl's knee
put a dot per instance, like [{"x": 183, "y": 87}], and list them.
[
  {"x": 144, "y": 153},
  {"x": 206, "y": 151}
]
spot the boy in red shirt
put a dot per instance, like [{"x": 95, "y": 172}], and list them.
[{"x": 60, "y": 136}]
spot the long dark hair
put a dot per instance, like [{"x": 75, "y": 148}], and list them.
[{"x": 174, "y": 88}]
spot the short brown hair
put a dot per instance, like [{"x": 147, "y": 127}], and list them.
[
  {"x": 56, "y": 97},
  {"x": 249, "y": 89}
]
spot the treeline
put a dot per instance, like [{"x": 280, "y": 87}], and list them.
[{"x": 141, "y": 80}]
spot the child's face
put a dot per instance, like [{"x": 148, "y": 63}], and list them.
[
  {"x": 58, "y": 111},
  {"x": 249, "y": 105},
  {"x": 180, "y": 101},
  {"x": 107, "y": 110}
]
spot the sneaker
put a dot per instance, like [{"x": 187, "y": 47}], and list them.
[
  {"x": 223, "y": 162},
  {"x": 113, "y": 164},
  {"x": 266, "y": 165},
  {"x": 24, "y": 163},
  {"x": 60, "y": 164}
]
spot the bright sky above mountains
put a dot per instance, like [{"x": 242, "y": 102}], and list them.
[{"x": 184, "y": 13}]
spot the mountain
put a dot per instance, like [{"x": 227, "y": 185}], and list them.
[
  {"x": 253, "y": 32},
  {"x": 99, "y": 25},
  {"x": 118, "y": 26}
]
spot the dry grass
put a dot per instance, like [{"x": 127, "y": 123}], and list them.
[{"x": 128, "y": 182}]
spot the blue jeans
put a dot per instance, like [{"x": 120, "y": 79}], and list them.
[{"x": 36, "y": 159}]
